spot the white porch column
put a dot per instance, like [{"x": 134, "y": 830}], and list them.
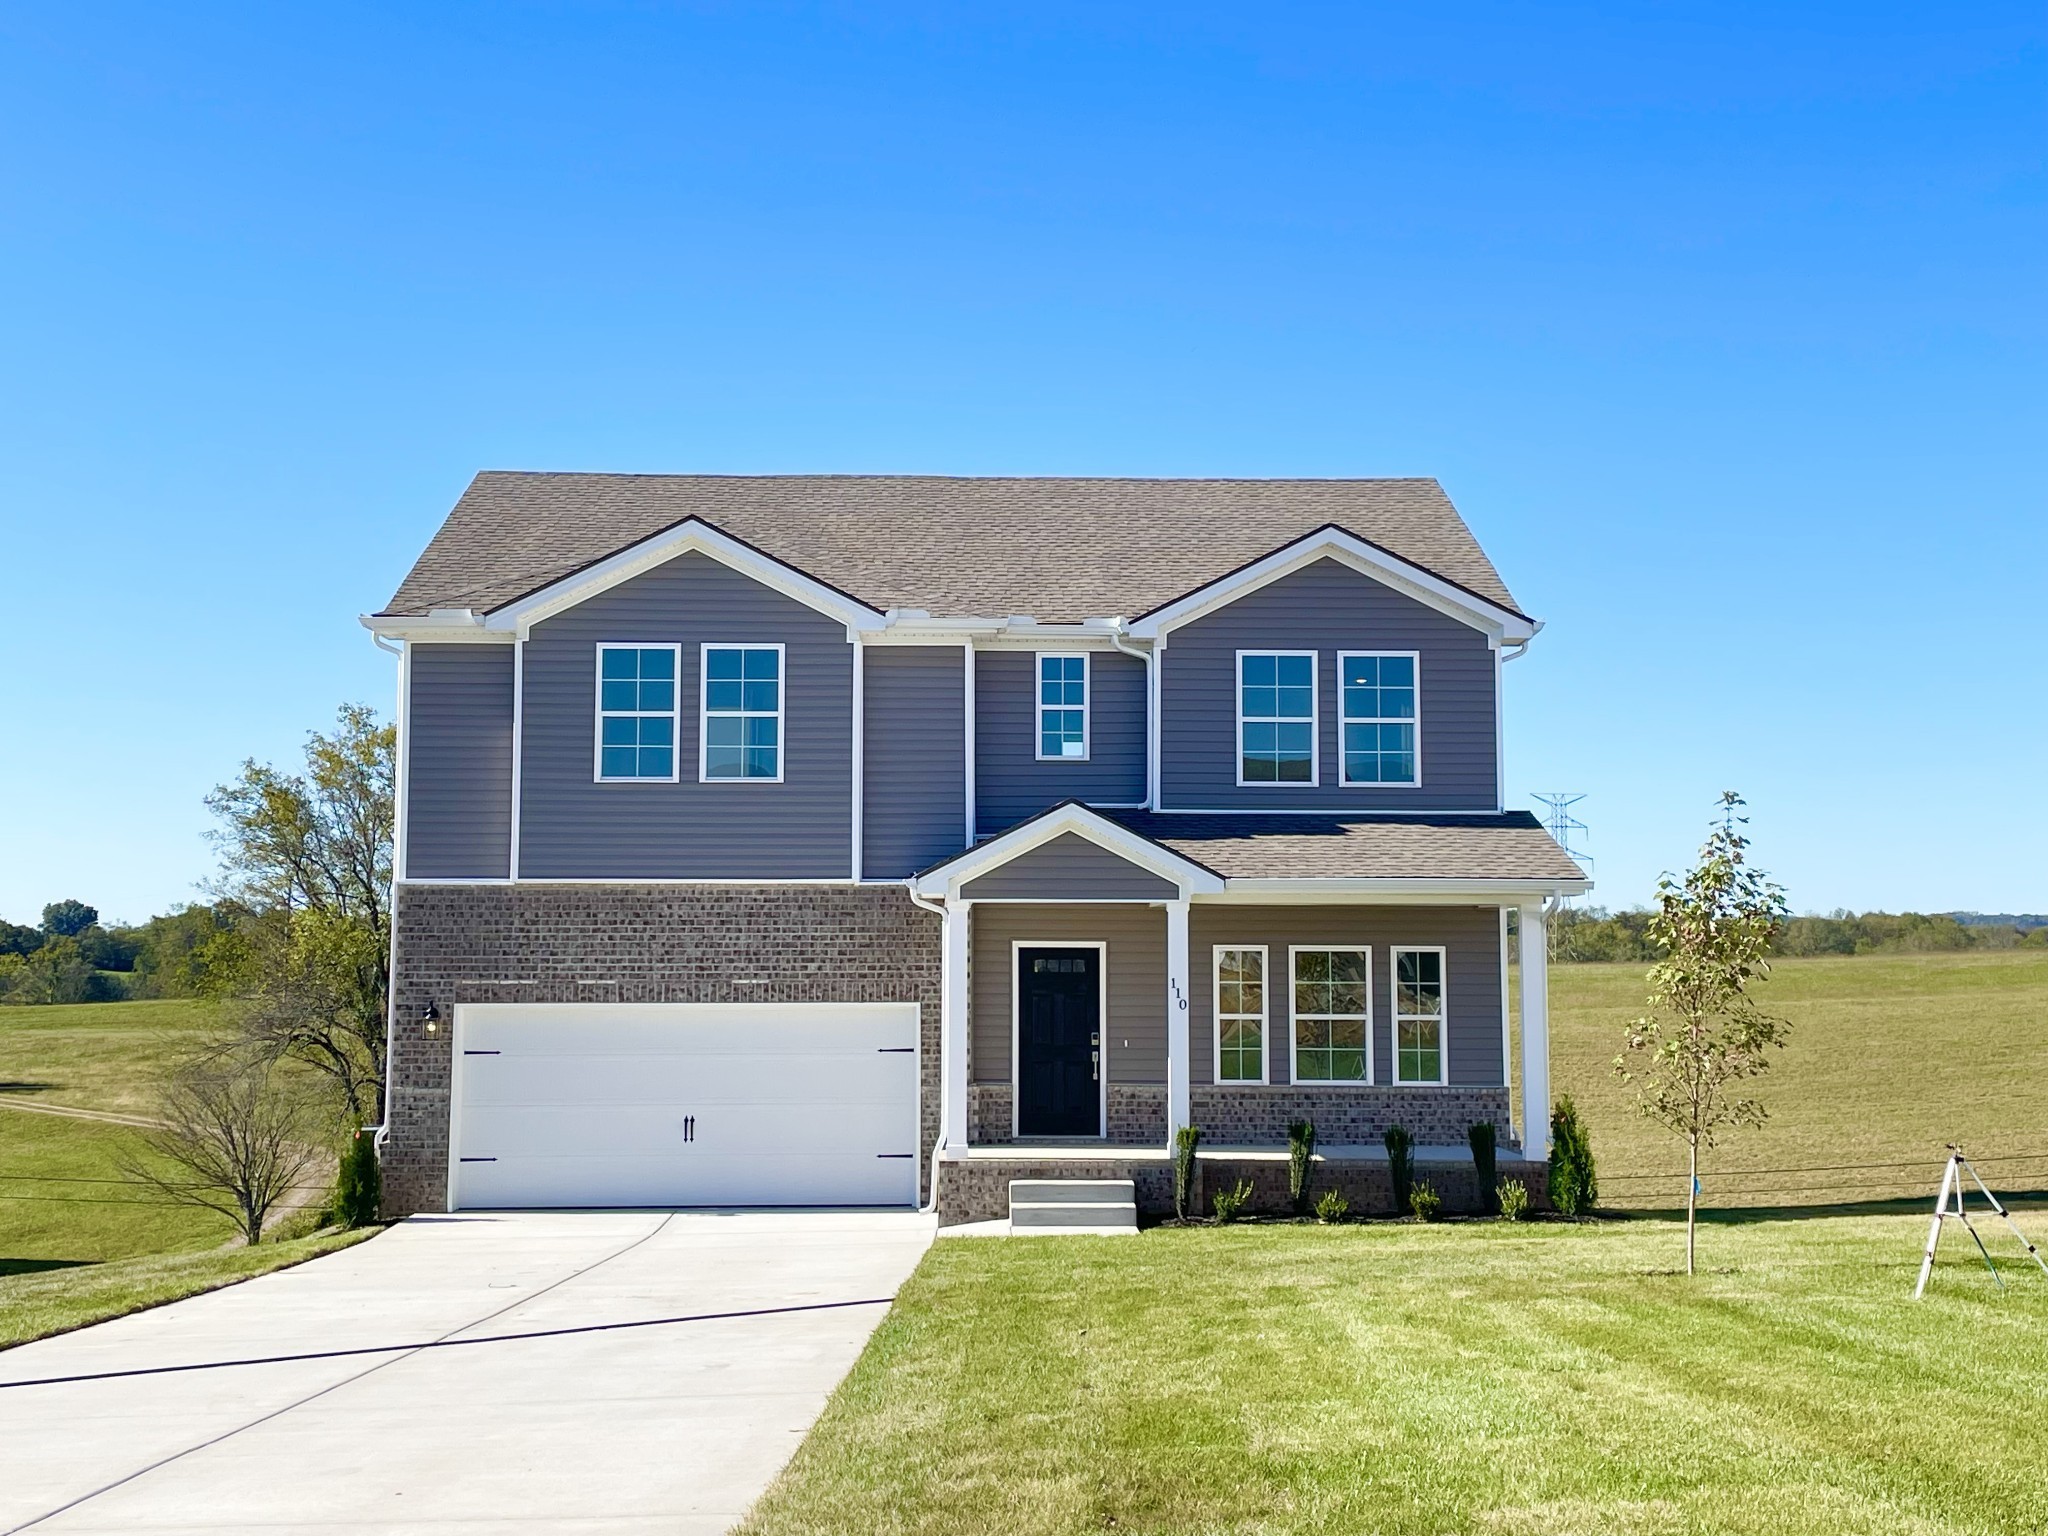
[
  {"x": 1177, "y": 1007},
  {"x": 953, "y": 1024},
  {"x": 1535, "y": 954}
]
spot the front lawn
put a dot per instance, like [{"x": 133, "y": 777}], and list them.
[{"x": 1534, "y": 1380}]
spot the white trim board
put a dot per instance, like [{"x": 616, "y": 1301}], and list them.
[
  {"x": 1216, "y": 1077},
  {"x": 1294, "y": 1079},
  {"x": 945, "y": 879}
]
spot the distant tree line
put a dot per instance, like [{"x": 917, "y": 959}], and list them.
[
  {"x": 1594, "y": 933},
  {"x": 190, "y": 951}
]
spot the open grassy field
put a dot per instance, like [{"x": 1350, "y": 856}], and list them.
[
  {"x": 1533, "y": 1380},
  {"x": 98, "y": 1055},
  {"x": 1890, "y": 1057}
]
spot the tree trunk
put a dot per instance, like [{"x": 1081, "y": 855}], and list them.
[{"x": 1692, "y": 1197}]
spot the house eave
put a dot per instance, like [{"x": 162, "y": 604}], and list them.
[{"x": 1389, "y": 891}]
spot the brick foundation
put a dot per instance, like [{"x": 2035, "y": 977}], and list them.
[
  {"x": 1137, "y": 1115},
  {"x": 1434, "y": 1117},
  {"x": 635, "y": 944}
]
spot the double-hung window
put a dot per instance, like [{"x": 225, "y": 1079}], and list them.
[
  {"x": 1241, "y": 1014},
  {"x": 742, "y": 734},
  {"x": 1062, "y": 706},
  {"x": 636, "y": 713},
  {"x": 1419, "y": 1054},
  {"x": 1276, "y": 717},
  {"x": 1379, "y": 698},
  {"x": 1332, "y": 1015}
]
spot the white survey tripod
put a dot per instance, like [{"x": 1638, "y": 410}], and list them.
[{"x": 1948, "y": 1206}]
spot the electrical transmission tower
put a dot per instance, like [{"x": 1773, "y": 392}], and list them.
[{"x": 1570, "y": 832}]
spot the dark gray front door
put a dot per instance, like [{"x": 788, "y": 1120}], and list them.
[{"x": 1059, "y": 1042}]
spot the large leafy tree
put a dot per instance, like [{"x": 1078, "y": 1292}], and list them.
[
  {"x": 309, "y": 855},
  {"x": 68, "y": 918},
  {"x": 1704, "y": 1035}
]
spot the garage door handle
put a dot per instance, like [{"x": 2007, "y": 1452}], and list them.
[
  {"x": 483, "y": 1053},
  {"x": 904, "y": 1155},
  {"x": 894, "y": 1050}
]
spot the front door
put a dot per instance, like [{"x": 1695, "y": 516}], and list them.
[{"x": 1059, "y": 1041}]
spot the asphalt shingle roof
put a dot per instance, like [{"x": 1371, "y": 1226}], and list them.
[
  {"x": 1509, "y": 846},
  {"x": 1057, "y": 549}
]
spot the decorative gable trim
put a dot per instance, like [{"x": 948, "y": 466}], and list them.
[
  {"x": 945, "y": 879},
  {"x": 1330, "y": 542}
]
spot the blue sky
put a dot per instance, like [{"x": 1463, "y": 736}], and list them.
[{"x": 1723, "y": 324}]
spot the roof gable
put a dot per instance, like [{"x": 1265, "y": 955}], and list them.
[{"x": 1138, "y": 854}]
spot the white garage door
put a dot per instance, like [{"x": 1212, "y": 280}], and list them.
[{"x": 595, "y": 1104}]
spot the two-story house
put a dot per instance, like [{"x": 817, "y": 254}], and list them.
[{"x": 874, "y": 840}]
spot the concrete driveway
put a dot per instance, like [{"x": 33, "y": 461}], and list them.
[{"x": 673, "y": 1428}]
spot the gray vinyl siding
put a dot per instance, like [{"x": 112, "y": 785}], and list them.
[
  {"x": 1327, "y": 607},
  {"x": 1470, "y": 937},
  {"x": 1010, "y": 782},
  {"x": 1135, "y": 1032},
  {"x": 573, "y": 828},
  {"x": 914, "y": 769},
  {"x": 1069, "y": 868},
  {"x": 458, "y": 741}
]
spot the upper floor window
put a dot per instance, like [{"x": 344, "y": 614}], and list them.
[
  {"x": 1419, "y": 1055},
  {"x": 742, "y": 737},
  {"x": 1379, "y": 701},
  {"x": 1332, "y": 1018},
  {"x": 1276, "y": 717},
  {"x": 1063, "y": 706},
  {"x": 1241, "y": 1014},
  {"x": 636, "y": 712}
]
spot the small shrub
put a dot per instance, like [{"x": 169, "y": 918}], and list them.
[
  {"x": 1425, "y": 1202},
  {"x": 1400, "y": 1165},
  {"x": 1185, "y": 1140},
  {"x": 1231, "y": 1202},
  {"x": 359, "y": 1186},
  {"x": 1482, "y": 1138},
  {"x": 1574, "y": 1186},
  {"x": 1513, "y": 1199},
  {"x": 1301, "y": 1153},
  {"x": 1332, "y": 1208}
]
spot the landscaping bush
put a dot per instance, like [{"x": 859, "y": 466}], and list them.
[
  {"x": 359, "y": 1186},
  {"x": 1301, "y": 1152},
  {"x": 1513, "y": 1198},
  {"x": 1333, "y": 1207},
  {"x": 1185, "y": 1140},
  {"x": 1482, "y": 1138},
  {"x": 1574, "y": 1186},
  {"x": 1400, "y": 1165},
  {"x": 1230, "y": 1202},
  {"x": 1425, "y": 1201}
]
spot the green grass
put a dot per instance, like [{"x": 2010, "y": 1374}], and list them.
[
  {"x": 35, "y": 1304},
  {"x": 105, "y": 1056},
  {"x": 1534, "y": 1380},
  {"x": 65, "y": 1197},
  {"x": 1890, "y": 1057}
]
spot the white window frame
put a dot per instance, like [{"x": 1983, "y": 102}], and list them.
[
  {"x": 1265, "y": 1016},
  {"x": 1293, "y": 1040},
  {"x": 675, "y": 714},
  {"x": 1343, "y": 719},
  {"x": 1101, "y": 948},
  {"x": 1443, "y": 1013},
  {"x": 1315, "y": 719},
  {"x": 704, "y": 707},
  {"x": 1038, "y": 661}
]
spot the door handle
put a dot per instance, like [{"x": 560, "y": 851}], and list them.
[{"x": 1095, "y": 1065}]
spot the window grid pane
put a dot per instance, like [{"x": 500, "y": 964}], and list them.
[
  {"x": 742, "y": 712},
  {"x": 1378, "y": 697},
  {"x": 1418, "y": 1016},
  {"x": 1331, "y": 1015},
  {"x": 1276, "y": 719},
  {"x": 1063, "y": 706},
  {"x": 636, "y": 702},
  {"x": 1240, "y": 1015}
]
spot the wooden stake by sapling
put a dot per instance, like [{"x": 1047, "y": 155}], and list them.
[{"x": 1952, "y": 1183}]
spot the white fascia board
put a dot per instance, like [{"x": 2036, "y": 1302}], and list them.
[
  {"x": 444, "y": 626},
  {"x": 1333, "y": 543},
  {"x": 1391, "y": 892},
  {"x": 1022, "y": 633},
  {"x": 692, "y": 536},
  {"x": 947, "y": 878}
]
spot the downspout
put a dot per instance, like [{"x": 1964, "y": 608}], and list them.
[
  {"x": 1151, "y": 660},
  {"x": 931, "y": 1203},
  {"x": 380, "y": 1133}
]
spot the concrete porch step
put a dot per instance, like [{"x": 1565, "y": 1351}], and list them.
[
  {"x": 1078, "y": 1206},
  {"x": 1071, "y": 1191}
]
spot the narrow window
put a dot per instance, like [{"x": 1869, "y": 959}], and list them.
[
  {"x": 1276, "y": 717},
  {"x": 1062, "y": 706},
  {"x": 1379, "y": 697},
  {"x": 742, "y": 712},
  {"x": 1418, "y": 1016},
  {"x": 636, "y": 712},
  {"x": 1332, "y": 1018},
  {"x": 1241, "y": 1015}
]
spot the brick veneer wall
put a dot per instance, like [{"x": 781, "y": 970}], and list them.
[
  {"x": 1435, "y": 1117},
  {"x": 1137, "y": 1115},
  {"x": 636, "y": 944}
]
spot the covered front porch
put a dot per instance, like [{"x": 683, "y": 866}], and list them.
[{"x": 1108, "y": 981}]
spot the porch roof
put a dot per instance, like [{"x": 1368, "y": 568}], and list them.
[{"x": 1511, "y": 845}]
